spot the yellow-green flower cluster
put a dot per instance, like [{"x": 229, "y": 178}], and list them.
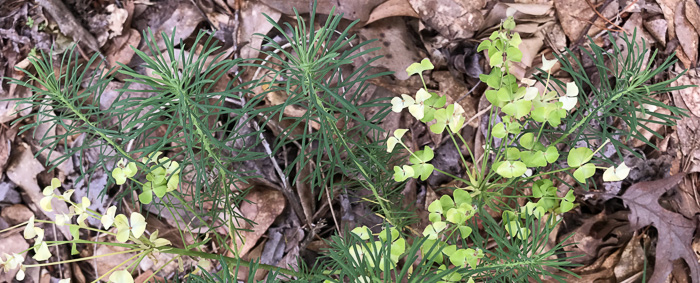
[
  {"x": 133, "y": 227},
  {"x": 11, "y": 262},
  {"x": 163, "y": 178}
]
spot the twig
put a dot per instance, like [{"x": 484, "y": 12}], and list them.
[
  {"x": 603, "y": 17},
  {"x": 470, "y": 91},
  {"x": 581, "y": 37}
]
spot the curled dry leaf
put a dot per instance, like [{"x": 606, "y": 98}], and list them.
[{"x": 392, "y": 8}]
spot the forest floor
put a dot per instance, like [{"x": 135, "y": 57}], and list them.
[{"x": 611, "y": 247}]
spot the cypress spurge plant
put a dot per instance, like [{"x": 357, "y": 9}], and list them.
[{"x": 312, "y": 76}]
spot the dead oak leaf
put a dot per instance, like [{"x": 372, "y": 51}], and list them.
[{"x": 675, "y": 231}]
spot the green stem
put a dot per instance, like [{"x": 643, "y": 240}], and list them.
[
  {"x": 83, "y": 258},
  {"x": 464, "y": 161},
  {"x": 73, "y": 225},
  {"x": 80, "y": 241},
  {"x": 340, "y": 136},
  {"x": 587, "y": 118},
  {"x": 230, "y": 260},
  {"x": 119, "y": 265},
  {"x": 161, "y": 268}
]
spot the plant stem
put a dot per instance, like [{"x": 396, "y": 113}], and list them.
[{"x": 230, "y": 260}]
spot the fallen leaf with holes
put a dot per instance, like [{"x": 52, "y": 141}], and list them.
[
  {"x": 397, "y": 48},
  {"x": 675, "y": 231}
]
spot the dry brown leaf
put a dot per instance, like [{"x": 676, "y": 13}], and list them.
[
  {"x": 675, "y": 231},
  {"x": 121, "y": 48},
  {"x": 598, "y": 236},
  {"x": 452, "y": 19},
  {"x": 184, "y": 20},
  {"x": 7, "y": 136},
  {"x": 657, "y": 28},
  {"x": 691, "y": 95},
  {"x": 396, "y": 44},
  {"x": 23, "y": 171},
  {"x": 531, "y": 9},
  {"x": 632, "y": 260},
  {"x": 692, "y": 14},
  {"x": 668, "y": 8},
  {"x": 687, "y": 36},
  {"x": 656, "y": 127},
  {"x": 146, "y": 275},
  {"x": 253, "y": 21},
  {"x": 526, "y": 14},
  {"x": 685, "y": 201},
  {"x": 105, "y": 264},
  {"x": 575, "y": 14},
  {"x": 263, "y": 207},
  {"x": 351, "y": 10},
  {"x": 688, "y": 131},
  {"x": 392, "y": 8},
  {"x": 305, "y": 192},
  {"x": 600, "y": 271}
]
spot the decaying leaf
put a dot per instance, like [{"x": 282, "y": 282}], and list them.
[
  {"x": 691, "y": 95},
  {"x": 575, "y": 14},
  {"x": 598, "y": 236},
  {"x": 352, "y": 10},
  {"x": 263, "y": 207},
  {"x": 453, "y": 19},
  {"x": 22, "y": 171},
  {"x": 675, "y": 231},
  {"x": 687, "y": 36},
  {"x": 689, "y": 142},
  {"x": 252, "y": 22},
  {"x": 394, "y": 38}
]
